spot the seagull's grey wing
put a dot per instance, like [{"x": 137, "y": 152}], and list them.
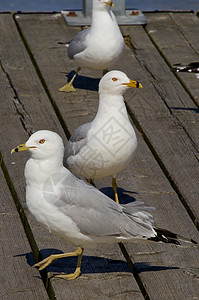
[
  {"x": 79, "y": 43},
  {"x": 97, "y": 215},
  {"x": 77, "y": 141}
]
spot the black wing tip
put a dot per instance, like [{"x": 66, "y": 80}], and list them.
[
  {"x": 165, "y": 240},
  {"x": 167, "y": 236},
  {"x": 194, "y": 242}
]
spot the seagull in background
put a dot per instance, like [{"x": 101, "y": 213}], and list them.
[{"x": 99, "y": 46}]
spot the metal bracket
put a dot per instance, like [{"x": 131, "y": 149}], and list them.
[{"x": 123, "y": 16}]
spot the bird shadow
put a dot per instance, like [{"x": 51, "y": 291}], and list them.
[
  {"x": 146, "y": 267},
  {"x": 124, "y": 198},
  {"x": 196, "y": 110},
  {"x": 92, "y": 264},
  {"x": 84, "y": 82}
]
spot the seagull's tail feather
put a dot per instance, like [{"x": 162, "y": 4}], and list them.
[{"x": 167, "y": 236}]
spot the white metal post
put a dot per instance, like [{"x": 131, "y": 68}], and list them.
[{"x": 124, "y": 17}]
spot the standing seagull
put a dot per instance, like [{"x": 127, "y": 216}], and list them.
[
  {"x": 106, "y": 145},
  {"x": 76, "y": 211},
  {"x": 99, "y": 46}
]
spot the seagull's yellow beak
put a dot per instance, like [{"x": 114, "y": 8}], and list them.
[
  {"x": 21, "y": 147},
  {"x": 133, "y": 83},
  {"x": 110, "y": 3}
]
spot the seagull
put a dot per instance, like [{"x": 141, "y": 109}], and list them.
[
  {"x": 99, "y": 46},
  {"x": 190, "y": 68},
  {"x": 105, "y": 146},
  {"x": 76, "y": 211}
]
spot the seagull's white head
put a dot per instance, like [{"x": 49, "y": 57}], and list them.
[
  {"x": 102, "y": 4},
  {"x": 116, "y": 83},
  {"x": 43, "y": 144}
]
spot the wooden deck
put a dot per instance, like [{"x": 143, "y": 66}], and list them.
[{"x": 164, "y": 173}]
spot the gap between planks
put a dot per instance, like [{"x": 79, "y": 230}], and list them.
[
  {"x": 18, "y": 205},
  {"x": 132, "y": 116}
]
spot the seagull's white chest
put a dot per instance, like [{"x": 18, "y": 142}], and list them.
[
  {"x": 104, "y": 47},
  {"x": 100, "y": 55},
  {"x": 45, "y": 197},
  {"x": 111, "y": 144}
]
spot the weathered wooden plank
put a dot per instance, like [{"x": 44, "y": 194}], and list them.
[
  {"x": 17, "y": 278},
  {"x": 164, "y": 94},
  {"x": 17, "y": 133},
  {"x": 188, "y": 26},
  {"x": 175, "y": 35},
  {"x": 167, "y": 115},
  {"x": 47, "y": 47},
  {"x": 160, "y": 268},
  {"x": 30, "y": 95}
]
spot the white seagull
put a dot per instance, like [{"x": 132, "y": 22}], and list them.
[
  {"x": 105, "y": 146},
  {"x": 99, "y": 46},
  {"x": 75, "y": 210}
]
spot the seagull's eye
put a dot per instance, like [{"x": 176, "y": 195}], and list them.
[
  {"x": 114, "y": 79},
  {"x": 42, "y": 141}
]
